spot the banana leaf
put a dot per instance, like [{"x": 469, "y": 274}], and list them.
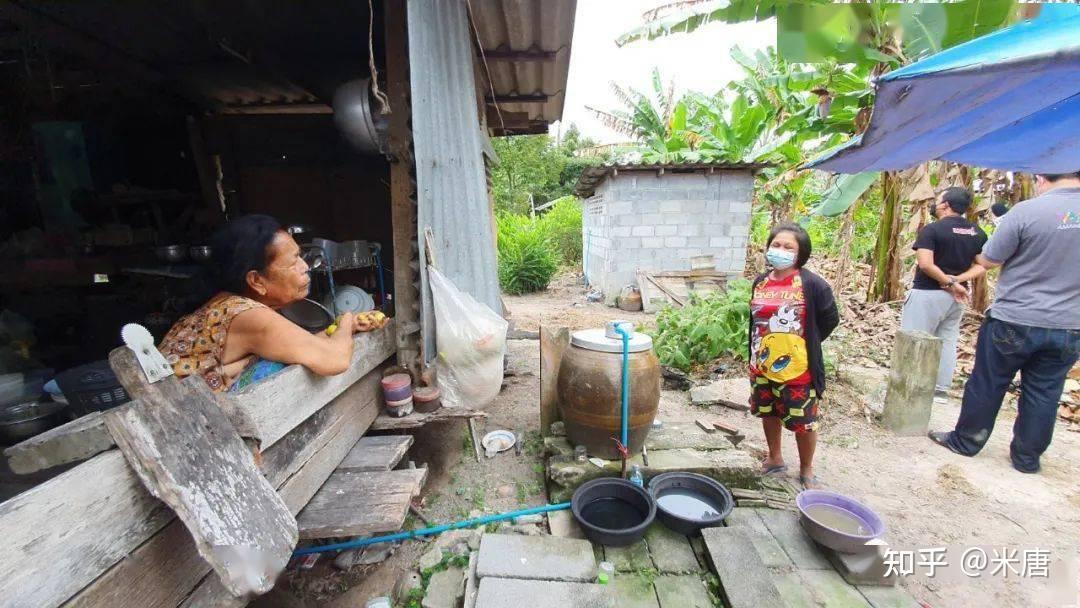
[{"x": 844, "y": 192}]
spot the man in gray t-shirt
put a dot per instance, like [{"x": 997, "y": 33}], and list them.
[{"x": 1033, "y": 326}]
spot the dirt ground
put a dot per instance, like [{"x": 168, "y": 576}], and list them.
[
  {"x": 927, "y": 496},
  {"x": 564, "y": 304}
]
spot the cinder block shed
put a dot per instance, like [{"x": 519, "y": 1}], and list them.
[{"x": 657, "y": 217}]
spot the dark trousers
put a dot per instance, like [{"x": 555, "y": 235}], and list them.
[{"x": 1043, "y": 357}]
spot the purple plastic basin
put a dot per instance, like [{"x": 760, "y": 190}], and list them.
[{"x": 835, "y": 539}]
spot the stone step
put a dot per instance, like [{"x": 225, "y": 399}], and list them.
[
  {"x": 536, "y": 558},
  {"x": 733, "y": 468},
  {"x": 517, "y": 593},
  {"x": 746, "y": 581}
]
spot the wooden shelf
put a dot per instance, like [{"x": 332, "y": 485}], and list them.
[{"x": 416, "y": 420}]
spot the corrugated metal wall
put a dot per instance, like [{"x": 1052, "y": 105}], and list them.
[{"x": 450, "y": 177}]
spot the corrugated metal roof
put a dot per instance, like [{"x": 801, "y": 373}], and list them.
[
  {"x": 527, "y": 26},
  {"x": 451, "y": 180},
  {"x": 592, "y": 177}
]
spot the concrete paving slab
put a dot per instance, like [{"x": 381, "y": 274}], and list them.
[
  {"x": 793, "y": 589},
  {"x": 888, "y": 597},
  {"x": 700, "y": 552},
  {"x": 563, "y": 525},
  {"x": 472, "y": 582},
  {"x": 772, "y": 554},
  {"x": 830, "y": 589},
  {"x": 536, "y": 557},
  {"x": 786, "y": 529},
  {"x": 745, "y": 580},
  {"x": 670, "y": 551},
  {"x": 866, "y": 568},
  {"x": 517, "y": 593},
  {"x": 685, "y": 435},
  {"x": 634, "y": 592},
  {"x": 682, "y": 591},
  {"x": 629, "y": 559}
]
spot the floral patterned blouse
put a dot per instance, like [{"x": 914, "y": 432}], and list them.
[{"x": 196, "y": 344}]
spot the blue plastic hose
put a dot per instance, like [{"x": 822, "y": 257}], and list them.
[
  {"x": 467, "y": 523},
  {"x": 620, "y": 328}
]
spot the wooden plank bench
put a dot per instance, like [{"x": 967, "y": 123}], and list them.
[
  {"x": 94, "y": 536},
  {"x": 364, "y": 495}
]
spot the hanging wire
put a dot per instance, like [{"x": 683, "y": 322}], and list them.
[
  {"x": 483, "y": 60},
  {"x": 384, "y": 101}
]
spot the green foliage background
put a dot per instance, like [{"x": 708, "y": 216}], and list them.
[{"x": 711, "y": 326}]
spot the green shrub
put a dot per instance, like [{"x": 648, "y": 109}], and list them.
[
  {"x": 527, "y": 257},
  {"x": 562, "y": 224},
  {"x": 708, "y": 327}
]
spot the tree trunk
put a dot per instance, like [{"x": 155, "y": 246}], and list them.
[
  {"x": 885, "y": 286},
  {"x": 847, "y": 235}
]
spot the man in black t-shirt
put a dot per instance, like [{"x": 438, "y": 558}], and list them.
[{"x": 944, "y": 249}]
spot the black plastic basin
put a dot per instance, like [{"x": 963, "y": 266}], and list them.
[
  {"x": 612, "y": 511},
  {"x": 688, "y": 502}
]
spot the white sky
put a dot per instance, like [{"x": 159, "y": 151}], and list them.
[{"x": 698, "y": 61}]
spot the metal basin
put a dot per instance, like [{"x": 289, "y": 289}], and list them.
[{"x": 22, "y": 421}]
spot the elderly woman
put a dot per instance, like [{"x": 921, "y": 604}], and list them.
[{"x": 256, "y": 270}]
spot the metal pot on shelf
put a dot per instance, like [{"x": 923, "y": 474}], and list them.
[
  {"x": 172, "y": 254},
  {"x": 200, "y": 253},
  {"x": 21, "y": 421}
]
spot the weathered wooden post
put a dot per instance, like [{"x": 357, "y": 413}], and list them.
[
  {"x": 912, "y": 377},
  {"x": 553, "y": 343}
]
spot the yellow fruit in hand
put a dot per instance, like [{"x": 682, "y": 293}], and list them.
[{"x": 330, "y": 330}]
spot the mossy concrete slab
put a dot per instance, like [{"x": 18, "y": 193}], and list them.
[
  {"x": 682, "y": 591},
  {"x": 670, "y": 551},
  {"x": 632, "y": 558},
  {"x": 634, "y": 592}
]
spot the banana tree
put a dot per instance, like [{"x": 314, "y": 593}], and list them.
[{"x": 874, "y": 36}]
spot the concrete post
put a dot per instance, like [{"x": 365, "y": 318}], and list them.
[{"x": 912, "y": 376}]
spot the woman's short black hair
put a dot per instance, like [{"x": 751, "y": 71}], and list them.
[
  {"x": 801, "y": 237},
  {"x": 239, "y": 247}
]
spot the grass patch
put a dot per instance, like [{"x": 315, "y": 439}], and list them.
[{"x": 478, "y": 498}]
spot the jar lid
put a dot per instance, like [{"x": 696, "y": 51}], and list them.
[
  {"x": 597, "y": 340},
  {"x": 394, "y": 381}
]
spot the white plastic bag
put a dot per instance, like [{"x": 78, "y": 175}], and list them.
[{"x": 470, "y": 339}]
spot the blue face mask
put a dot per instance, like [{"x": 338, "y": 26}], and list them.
[{"x": 780, "y": 259}]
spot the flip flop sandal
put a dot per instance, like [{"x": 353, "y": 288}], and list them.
[
  {"x": 774, "y": 469},
  {"x": 810, "y": 483}
]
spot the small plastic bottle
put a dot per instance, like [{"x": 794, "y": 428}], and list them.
[
  {"x": 635, "y": 476},
  {"x": 607, "y": 573}
]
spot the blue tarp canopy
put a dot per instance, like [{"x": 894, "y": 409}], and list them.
[{"x": 1009, "y": 100}]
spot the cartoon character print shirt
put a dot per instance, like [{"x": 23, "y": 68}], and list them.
[{"x": 779, "y": 349}]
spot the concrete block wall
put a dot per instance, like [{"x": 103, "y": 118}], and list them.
[{"x": 641, "y": 220}]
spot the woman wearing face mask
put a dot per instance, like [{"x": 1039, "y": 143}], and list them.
[{"x": 792, "y": 312}]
